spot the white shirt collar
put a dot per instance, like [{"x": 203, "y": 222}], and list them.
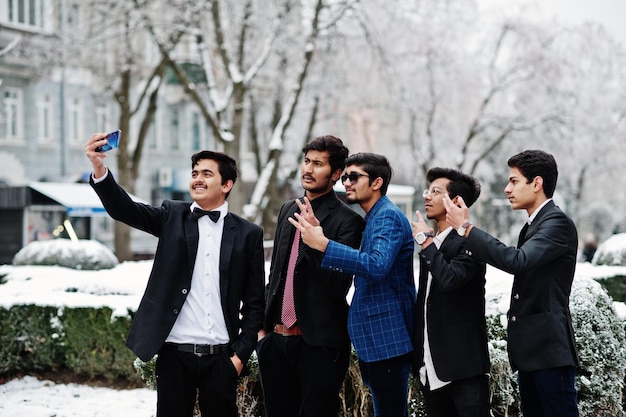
[
  {"x": 441, "y": 236},
  {"x": 532, "y": 216}
]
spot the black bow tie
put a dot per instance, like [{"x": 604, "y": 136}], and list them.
[{"x": 198, "y": 212}]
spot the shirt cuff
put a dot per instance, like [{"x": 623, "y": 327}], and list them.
[{"x": 97, "y": 180}]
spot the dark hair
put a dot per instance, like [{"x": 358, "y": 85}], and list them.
[
  {"x": 465, "y": 185},
  {"x": 375, "y": 165},
  {"x": 226, "y": 165},
  {"x": 536, "y": 163},
  {"x": 335, "y": 147}
]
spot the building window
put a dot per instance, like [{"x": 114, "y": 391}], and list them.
[
  {"x": 75, "y": 121},
  {"x": 12, "y": 114},
  {"x": 174, "y": 130},
  {"x": 73, "y": 17},
  {"x": 152, "y": 138},
  {"x": 45, "y": 118},
  {"x": 103, "y": 123},
  {"x": 196, "y": 140},
  {"x": 27, "y": 12}
]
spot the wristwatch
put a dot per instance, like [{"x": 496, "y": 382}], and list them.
[
  {"x": 421, "y": 237},
  {"x": 463, "y": 228}
]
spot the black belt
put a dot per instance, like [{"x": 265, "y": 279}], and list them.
[{"x": 200, "y": 350}]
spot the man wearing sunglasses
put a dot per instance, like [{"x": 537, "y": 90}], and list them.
[
  {"x": 380, "y": 320},
  {"x": 451, "y": 352},
  {"x": 304, "y": 358}
]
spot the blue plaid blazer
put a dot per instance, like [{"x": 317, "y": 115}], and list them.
[{"x": 381, "y": 315}]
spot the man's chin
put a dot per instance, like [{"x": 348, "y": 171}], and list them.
[{"x": 316, "y": 190}]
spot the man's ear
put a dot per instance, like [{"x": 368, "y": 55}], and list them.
[
  {"x": 227, "y": 186},
  {"x": 336, "y": 175},
  {"x": 377, "y": 183},
  {"x": 538, "y": 184}
]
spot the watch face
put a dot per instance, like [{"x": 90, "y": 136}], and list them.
[
  {"x": 461, "y": 231},
  {"x": 420, "y": 238}
]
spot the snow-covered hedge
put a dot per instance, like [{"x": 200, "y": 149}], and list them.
[
  {"x": 82, "y": 254},
  {"x": 601, "y": 349},
  {"x": 612, "y": 251},
  {"x": 601, "y": 342},
  {"x": 85, "y": 341}
]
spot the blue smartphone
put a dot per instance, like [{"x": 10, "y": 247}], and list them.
[{"x": 113, "y": 141}]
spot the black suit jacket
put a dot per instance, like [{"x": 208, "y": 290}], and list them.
[
  {"x": 241, "y": 268},
  {"x": 319, "y": 294},
  {"x": 540, "y": 331},
  {"x": 457, "y": 331}
]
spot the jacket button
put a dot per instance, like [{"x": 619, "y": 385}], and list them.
[
  {"x": 516, "y": 296},
  {"x": 513, "y": 318},
  {"x": 175, "y": 311},
  {"x": 184, "y": 291}
]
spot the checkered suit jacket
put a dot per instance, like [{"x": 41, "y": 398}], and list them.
[{"x": 381, "y": 315}]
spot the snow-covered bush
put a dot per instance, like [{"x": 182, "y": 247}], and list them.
[
  {"x": 601, "y": 348},
  {"x": 612, "y": 251},
  {"x": 83, "y": 254},
  {"x": 147, "y": 371}
]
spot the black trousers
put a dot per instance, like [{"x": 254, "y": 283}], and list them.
[
  {"x": 300, "y": 380},
  {"x": 388, "y": 382},
  {"x": 549, "y": 392},
  {"x": 467, "y": 397},
  {"x": 180, "y": 374}
]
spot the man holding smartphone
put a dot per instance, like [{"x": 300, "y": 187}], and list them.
[{"x": 203, "y": 304}]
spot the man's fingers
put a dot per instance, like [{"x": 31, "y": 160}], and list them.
[{"x": 295, "y": 223}]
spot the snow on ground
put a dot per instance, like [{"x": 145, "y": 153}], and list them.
[{"x": 33, "y": 398}]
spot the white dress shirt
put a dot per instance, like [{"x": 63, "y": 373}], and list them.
[
  {"x": 201, "y": 320},
  {"x": 427, "y": 372}
]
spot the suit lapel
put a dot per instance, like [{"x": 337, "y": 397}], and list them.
[
  {"x": 285, "y": 238},
  {"x": 192, "y": 236},
  {"x": 226, "y": 250},
  {"x": 522, "y": 235}
]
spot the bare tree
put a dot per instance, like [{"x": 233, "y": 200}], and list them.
[
  {"x": 234, "y": 51},
  {"x": 116, "y": 30},
  {"x": 469, "y": 90}
]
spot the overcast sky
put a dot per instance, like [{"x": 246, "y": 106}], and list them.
[{"x": 610, "y": 13}]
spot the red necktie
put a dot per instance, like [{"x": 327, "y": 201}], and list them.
[{"x": 288, "y": 315}]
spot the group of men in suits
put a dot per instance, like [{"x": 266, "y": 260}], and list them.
[{"x": 206, "y": 306}]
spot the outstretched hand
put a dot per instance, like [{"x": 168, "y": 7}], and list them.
[
  {"x": 311, "y": 232},
  {"x": 456, "y": 214}
]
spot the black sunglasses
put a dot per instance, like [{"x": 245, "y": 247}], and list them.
[{"x": 353, "y": 177}]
